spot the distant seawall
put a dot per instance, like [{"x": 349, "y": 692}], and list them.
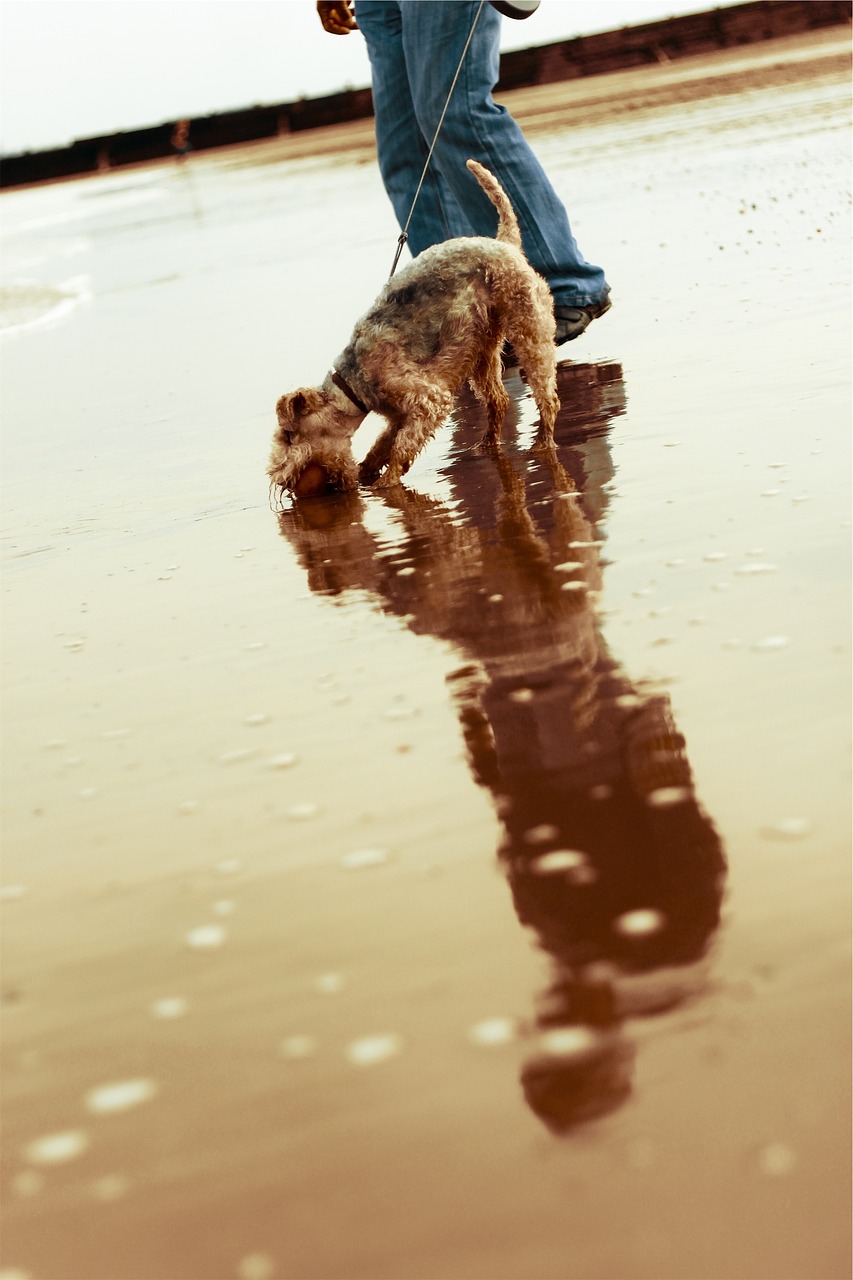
[{"x": 649, "y": 43}]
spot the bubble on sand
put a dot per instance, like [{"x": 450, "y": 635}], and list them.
[
  {"x": 285, "y": 760},
  {"x": 768, "y": 643},
  {"x": 256, "y": 1266},
  {"x": 557, "y": 861},
  {"x": 120, "y": 1095},
  {"x": 112, "y": 1187},
  {"x": 777, "y": 1159},
  {"x": 57, "y": 1148},
  {"x": 88, "y": 793},
  {"x": 367, "y": 1051},
  {"x": 541, "y": 834},
  {"x": 787, "y": 829},
  {"x": 361, "y": 859},
  {"x": 229, "y": 866},
  {"x": 713, "y": 556},
  {"x": 187, "y": 808},
  {"x": 399, "y": 713},
  {"x": 674, "y": 564},
  {"x": 642, "y": 923},
  {"x": 298, "y": 1047},
  {"x": 259, "y": 718},
  {"x": 758, "y": 567},
  {"x": 569, "y": 1042},
  {"x": 27, "y": 1183},
  {"x": 330, "y": 983},
  {"x": 800, "y": 497},
  {"x": 237, "y": 756},
  {"x": 169, "y": 1007},
  {"x": 206, "y": 937},
  {"x": 521, "y": 695},
  {"x": 492, "y": 1032},
  {"x": 303, "y": 812},
  {"x": 667, "y": 797},
  {"x": 255, "y": 645},
  {"x": 770, "y": 493},
  {"x": 224, "y": 907},
  {"x": 12, "y": 892}
]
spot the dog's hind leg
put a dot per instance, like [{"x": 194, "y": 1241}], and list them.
[
  {"x": 538, "y": 359},
  {"x": 487, "y": 384},
  {"x": 542, "y": 378}
]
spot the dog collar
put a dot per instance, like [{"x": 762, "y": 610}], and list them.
[{"x": 348, "y": 391}]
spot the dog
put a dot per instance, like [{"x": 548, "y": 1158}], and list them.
[{"x": 440, "y": 322}]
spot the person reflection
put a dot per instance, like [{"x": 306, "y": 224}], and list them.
[{"x": 610, "y": 859}]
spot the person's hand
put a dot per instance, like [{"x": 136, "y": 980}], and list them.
[{"x": 337, "y": 16}]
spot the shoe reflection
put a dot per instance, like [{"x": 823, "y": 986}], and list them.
[{"x": 609, "y": 857}]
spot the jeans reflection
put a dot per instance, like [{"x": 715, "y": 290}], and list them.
[{"x": 610, "y": 859}]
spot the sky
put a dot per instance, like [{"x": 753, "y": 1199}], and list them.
[{"x": 79, "y": 68}]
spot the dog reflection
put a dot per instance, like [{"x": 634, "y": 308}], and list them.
[{"x": 610, "y": 859}]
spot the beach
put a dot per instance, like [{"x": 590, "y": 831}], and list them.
[{"x": 452, "y": 881}]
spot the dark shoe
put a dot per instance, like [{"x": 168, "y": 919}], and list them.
[
  {"x": 509, "y": 360},
  {"x": 573, "y": 321}
]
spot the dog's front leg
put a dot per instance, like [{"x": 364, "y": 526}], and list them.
[
  {"x": 378, "y": 455},
  {"x": 415, "y": 432}
]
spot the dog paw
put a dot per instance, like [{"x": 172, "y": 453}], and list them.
[
  {"x": 544, "y": 443},
  {"x": 389, "y": 478},
  {"x": 487, "y": 446}
]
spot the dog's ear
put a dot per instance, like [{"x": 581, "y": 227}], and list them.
[{"x": 296, "y": 404}]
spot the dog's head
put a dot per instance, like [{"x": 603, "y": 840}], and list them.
[{"x": 311, "y": 451}]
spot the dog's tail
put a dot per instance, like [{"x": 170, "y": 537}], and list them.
[{"x": 508, "y": 230}]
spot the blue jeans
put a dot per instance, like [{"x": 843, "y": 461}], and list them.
[{"x": 414, "y": 48}]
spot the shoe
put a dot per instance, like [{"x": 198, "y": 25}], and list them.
[
  {"x": 509, "y": 360},
  {"x": 572, "y": 321}
]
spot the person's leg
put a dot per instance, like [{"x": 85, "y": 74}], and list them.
[
  {"x": 401, "y": 148},
  {"x": 433, "y": 36}
]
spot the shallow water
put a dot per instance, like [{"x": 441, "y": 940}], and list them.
[{"x": 451, "y": 882}]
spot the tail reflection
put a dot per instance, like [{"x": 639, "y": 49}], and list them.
[{"x": 608, "y": 854}]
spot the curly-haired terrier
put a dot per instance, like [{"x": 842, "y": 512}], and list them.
[{"x": 443, "y": 320}]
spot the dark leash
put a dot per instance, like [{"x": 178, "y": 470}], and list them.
[
  {"x": 404, "y": 234},
  {"x": 510, "y": 9}
]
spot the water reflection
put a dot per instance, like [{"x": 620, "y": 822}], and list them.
[{"x": 608, "y": 855}]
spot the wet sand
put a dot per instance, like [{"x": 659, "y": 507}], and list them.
[{"x": 451, "y": 882}]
